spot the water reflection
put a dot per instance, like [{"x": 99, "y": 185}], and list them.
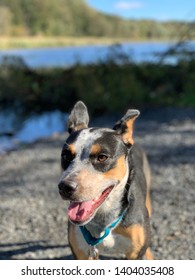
[{"x": 15, "y": 130}]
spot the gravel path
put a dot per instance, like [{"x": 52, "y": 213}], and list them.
[{"x": 33, "y": 216}]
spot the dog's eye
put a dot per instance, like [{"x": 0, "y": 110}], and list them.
[
  {"x": 102, "y": 158},
  {"x": 67, "y": 156}
]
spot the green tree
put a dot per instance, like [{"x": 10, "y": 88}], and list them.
[{"x": 5, "y": 20}]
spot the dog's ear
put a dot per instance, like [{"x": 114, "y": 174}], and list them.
[
  {"x": 78, "y": 118},
  {"x": 124, "y": 127}
]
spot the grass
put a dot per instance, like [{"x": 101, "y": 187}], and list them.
[
  {"x": 40, "y": 41},
  {"x": 106, "y": 88}
]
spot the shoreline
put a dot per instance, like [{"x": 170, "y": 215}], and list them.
[
  {"x": 10, "y": 43},
  {"x": 168, "y": 115}
]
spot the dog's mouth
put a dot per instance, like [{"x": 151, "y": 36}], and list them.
[{"x": 82, "y": 212}]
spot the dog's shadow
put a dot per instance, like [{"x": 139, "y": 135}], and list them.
[
  {"x": 11, "y": 251},
  {"x": 23, "y": 250}
]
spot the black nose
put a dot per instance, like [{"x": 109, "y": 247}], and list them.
[{"x": 67, "y": 187}]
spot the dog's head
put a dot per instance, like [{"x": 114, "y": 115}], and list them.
[{"x": 94, "y": 162}]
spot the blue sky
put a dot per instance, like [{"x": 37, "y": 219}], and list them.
[{"x": 148, "y": 9}]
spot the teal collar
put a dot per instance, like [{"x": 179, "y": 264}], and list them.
[{"x": 94, "y": 241}]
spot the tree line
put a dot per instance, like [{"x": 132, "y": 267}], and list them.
[{"x": 76, "y": 18}]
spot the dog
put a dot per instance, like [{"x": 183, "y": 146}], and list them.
[{"x": 106, "y": 178}]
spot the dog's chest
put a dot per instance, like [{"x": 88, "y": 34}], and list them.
[{"x": 114, "y": 245}]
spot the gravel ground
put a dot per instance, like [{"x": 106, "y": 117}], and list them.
[{"x": 33, "y": 216}]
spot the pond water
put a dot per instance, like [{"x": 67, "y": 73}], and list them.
[
  {"x": 29, "y": 130},
  {"x": 67, "y": 56}
]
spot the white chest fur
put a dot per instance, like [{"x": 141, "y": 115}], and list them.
[{"x": 113, "y": 245}]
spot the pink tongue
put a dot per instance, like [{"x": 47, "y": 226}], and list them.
[{"x": 80, "y": 211}]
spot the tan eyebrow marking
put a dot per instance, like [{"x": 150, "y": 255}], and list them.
[
  {"x": 72, "y": 148},
  {"x": 95, "y": 149}
]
